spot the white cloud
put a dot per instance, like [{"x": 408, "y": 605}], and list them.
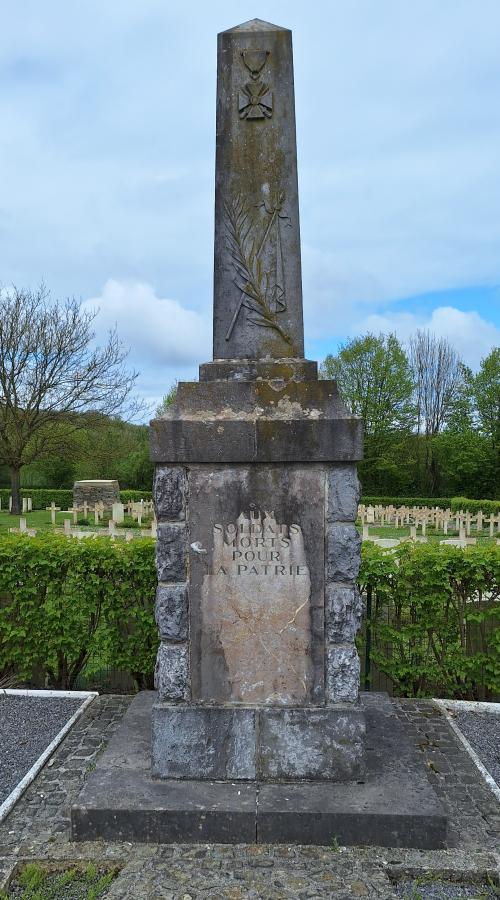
[
  {"x": 159, "y": 331},
  {"x": 472, "y": 336},
  {"x": 108, "y": 159},
  {"x": 107, "y": 162}
]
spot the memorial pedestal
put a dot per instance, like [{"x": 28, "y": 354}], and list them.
[
  {"x": 257, "y": 731},
  {"x": 256, "y": 496},
  {"x": 393, "y": 805}
]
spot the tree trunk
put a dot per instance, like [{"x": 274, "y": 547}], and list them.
[{"x": 15, "y": 489}]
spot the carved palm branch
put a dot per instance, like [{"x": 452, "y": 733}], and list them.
[{"x": 250, "y": 277}]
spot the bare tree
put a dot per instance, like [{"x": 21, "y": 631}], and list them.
[
  {"x": 438, "y": 375},
  {"x": 53, "y": 380}
]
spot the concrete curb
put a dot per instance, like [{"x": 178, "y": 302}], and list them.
[
  {"x": 87, "y": 696},
  {"x": 472, "y": 706}
]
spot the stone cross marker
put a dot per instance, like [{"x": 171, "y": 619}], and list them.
[{"x": 255, "y": 486}]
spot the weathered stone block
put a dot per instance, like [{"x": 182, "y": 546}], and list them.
[
  {"x": 172, "y": 672},
  {"x": 169, "y": 492},
  {"x": 343, "y": 612},
  {"x": 203, "y": 742},
  {"x": 171, "y": 552},
  {"x": 171, "y": 611},
  {"x": 343, "y": 494},
  {"x": 311, "y": 743},
  {"x": 342, "y": 674},
  {"x": 343, "y": 548}
]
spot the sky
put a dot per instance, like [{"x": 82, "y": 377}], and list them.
[{"x": 107, "y": 149}]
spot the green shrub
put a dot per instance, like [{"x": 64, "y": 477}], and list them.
[
  {"x": 463, "y": 503},
  {"x": 43, "y": 497},
  {"x": 63, "y": 601},
  {"x": 65, "y": 604},
  {"x": 128, "y": 495},
  {"x": 435, "y": 617}
]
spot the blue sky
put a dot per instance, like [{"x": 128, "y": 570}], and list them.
[{"x": 107, "y": 162}]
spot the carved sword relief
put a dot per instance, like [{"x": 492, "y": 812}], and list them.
[
  {"x": 262, "y": 287},
  {"x": 255, "y": 100}
]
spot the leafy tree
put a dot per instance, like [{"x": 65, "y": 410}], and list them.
[
  {"x": 485, "y": 388},
  {"x": 53, "y": 380},
  {"x": 486, "y": 393},
  {"x": 374, "y": 380}
]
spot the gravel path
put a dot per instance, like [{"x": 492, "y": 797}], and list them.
[
  {"x": 482, "y": 730},
  {"x": 27, "y": 726},
  {"x": 442, "y": 890}
]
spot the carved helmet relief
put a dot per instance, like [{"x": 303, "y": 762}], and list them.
[{"x": 255, "y": 100}]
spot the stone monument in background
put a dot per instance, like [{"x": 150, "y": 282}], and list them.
[
  {"x": 255, "y": 488},
  {"x": 96, "y": 490},
  {"x": 256, "y": 731}
]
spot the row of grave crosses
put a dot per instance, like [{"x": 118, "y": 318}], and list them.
[
  {"x": 136, "y": 509},
  {"x": 71, "y": 531},
  {"x": 422, "y": 516}
]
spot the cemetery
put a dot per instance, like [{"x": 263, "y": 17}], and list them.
[{"x": 252, "y": 681}]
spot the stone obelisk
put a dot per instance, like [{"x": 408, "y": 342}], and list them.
[
  {"x": 257, "y": 278},
  {"x": 257, "y": 719},
  {"x": 255, "y": 486}
]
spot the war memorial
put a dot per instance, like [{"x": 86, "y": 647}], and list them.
[{"x": 257, "y": 731}]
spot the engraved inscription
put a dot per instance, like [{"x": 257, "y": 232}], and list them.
[
  {"x": 255, "y": 609},
  {"x": 256, "y": 251},
  {"x": 255, "y": 100}
]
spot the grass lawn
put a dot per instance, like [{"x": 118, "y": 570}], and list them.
[{"x": 433, "y": 536}]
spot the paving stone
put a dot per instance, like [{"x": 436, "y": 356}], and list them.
[{"x": 211, "y": 871}]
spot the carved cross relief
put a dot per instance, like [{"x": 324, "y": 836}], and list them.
[{"x": 255, "y": 100}]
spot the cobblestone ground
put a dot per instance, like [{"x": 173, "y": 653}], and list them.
[{"x": 38, "y": 829}]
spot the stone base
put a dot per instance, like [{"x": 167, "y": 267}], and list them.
[
  {"x": 394, "y": 804},
  {"x": 247, "y": 743}
]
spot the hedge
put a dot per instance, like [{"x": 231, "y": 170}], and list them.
[
  {"x": 65, "y": 604},
  {"x": 463, "y": 503},
  {"x": 127, "y": 495},
  {"x": 43, "y": 497},
  {"x": 454, "y": 503},
  {"x": 435, "y": 627}
]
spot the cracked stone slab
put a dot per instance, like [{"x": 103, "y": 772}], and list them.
[
  {"x": 342, "y": 674},
  {"x": 203, "y": 742},
  {"x": 171, "y": 611},
  {"x": 169, "y": 492},
  {"x": 172, "y": 672},
  {"x": 343, "y": 608},
  {"x": 343, "y": 493},
  {"x": 343, "y": 552},
  {"x": 256, "y": 590},
  {"x": 314, "y": 744},
  {"x": 171, "y": 552}
]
